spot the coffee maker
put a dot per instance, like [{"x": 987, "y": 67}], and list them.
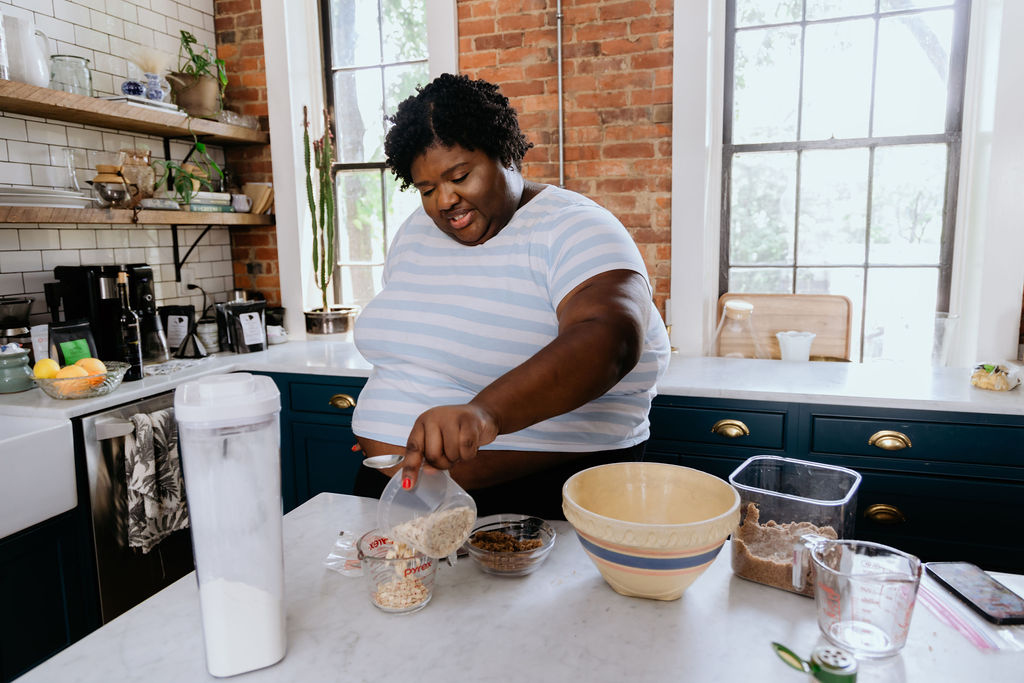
[{"x": 90, "y": 293}]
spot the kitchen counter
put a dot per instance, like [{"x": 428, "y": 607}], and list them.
[
  {"x": 879, "y": 385},
  {"x": 562, "y": 623}
]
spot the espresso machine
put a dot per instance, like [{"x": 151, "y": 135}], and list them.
[{"x": 90, "y": 293}]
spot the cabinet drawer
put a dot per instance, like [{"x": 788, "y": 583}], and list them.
[
  {"x": 991, "y": 444},
  {"x": 676, "y": 423},
  {"x": 943, "y": 518},
  {"x": 308, "y": 397}
]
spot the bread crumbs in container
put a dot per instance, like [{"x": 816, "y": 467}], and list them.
[{"x": 399, "y": 579}]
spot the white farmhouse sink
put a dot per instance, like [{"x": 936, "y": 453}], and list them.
[{"x": 37, "y": 471}]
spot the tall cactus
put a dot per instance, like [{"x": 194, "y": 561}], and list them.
[{"x": 321, "y": 201}]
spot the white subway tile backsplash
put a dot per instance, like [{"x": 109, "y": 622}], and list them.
[
  {"x": 47, "y": 133},
  {"x": 153, "y": 20},
  {"x": 71, "y": 12},
  {"x": 9, "y": 239},
  {"x": 15, "y": 174},
  {"x": 28, "y": 152},
  {"x": 11, "y": 283},
  {"x": 112, "y": 238},
  {"x": 78, "y": 239},
  {"x": 49, "y": 176},
  {"x": 42, "y": 6},
  {"x": 56, "y": 29},
  {"x": 98, "y": 256},
  {"x": 93, "y": 4},
  {"x": 104, "y": 84},
  {"x": 222, "y": 268},
  {"x": 34, "y": 281},
  {"x": 93, "y": 40},
  {"x": 105, "y": 23},
  {"x": 19, "y": 261},
  {"x": 59, "y": 258},
  {"x": 87, "y": 138},
  {"x": 39, "y": 238},
  {"x": 130, "y": 255},
  {"x": 143, "y": 238},
  {"x": 3, "y": 150}
]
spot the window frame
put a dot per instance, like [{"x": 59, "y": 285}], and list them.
[{"x": 951, "y": 136}]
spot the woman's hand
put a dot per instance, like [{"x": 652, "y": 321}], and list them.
[{"x": 445, "y": 435}]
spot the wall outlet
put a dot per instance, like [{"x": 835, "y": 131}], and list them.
[{"x": 188, "y": 277}]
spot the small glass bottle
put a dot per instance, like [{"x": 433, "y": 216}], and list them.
[
  {"x": 130, "y": 335},
  {"x": 735, "y": 336}
]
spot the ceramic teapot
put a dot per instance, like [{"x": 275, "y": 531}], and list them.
[{"x": 28, "y": 50}]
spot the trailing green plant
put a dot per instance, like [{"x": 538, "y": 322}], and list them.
[
  {"x": 200, "y": 62},
  {"x": 184, "y": 176},
  {"x": 318, "y": 157}
]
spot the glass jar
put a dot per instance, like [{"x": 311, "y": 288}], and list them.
[
  {"x": 735, "y": 336},
  {"x": 138, "y": 172},
  {"x": 70, "y": 73}
]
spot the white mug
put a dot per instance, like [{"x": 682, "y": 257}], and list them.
[{"x": 242, "y": 203}]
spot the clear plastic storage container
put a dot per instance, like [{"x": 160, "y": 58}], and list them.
[
  {"x": 782, "y": 499},
  {"x": 229, "y": 438}
]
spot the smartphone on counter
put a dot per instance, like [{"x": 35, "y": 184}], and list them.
[{"x": 985, "y": 595}]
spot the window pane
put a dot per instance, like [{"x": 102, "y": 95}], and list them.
[
  {"x": 358, "y": 101},
  {"x": 355, "y": 35},
  {"x": 360, "y": 210},
  {"x": 399, "y": 205},
  {"x": 830, "y": 9},
  {"x": 761, "y": 280},
  {"x": 848, "y": 282},
  {"x": 761, "y": 208},
  {"x": 404, "y": 27},
  {"x": 913, "y": 73},
  {"x": 887, "y": 5},
  {"x": 833, "y": 207},
  {"x": 908, "y": 193},
  {"x": 900, "y": 314},
  {"x": 766, "y": 85},
  {"x": 837, "y": 79},
  {"x": 353, "y": 279},
  {"x": 758, "y": 12},
  {"x": 401, "y": 81}
]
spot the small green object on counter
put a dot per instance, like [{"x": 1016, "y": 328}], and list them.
[{"x": 828, "y": 664}]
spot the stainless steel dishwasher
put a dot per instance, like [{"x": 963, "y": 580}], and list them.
[{"x": 126, "y": 575}]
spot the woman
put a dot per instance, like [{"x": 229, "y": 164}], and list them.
[{"x": 514, "y": 341}]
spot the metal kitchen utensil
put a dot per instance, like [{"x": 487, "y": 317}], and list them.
[
  {"x": 864, "y": 592},
  {"x": 383, "y": 462},
  {"x": 828, "y": 664}
]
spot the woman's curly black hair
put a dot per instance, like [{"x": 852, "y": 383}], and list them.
[{"x": 454, "y": 110}]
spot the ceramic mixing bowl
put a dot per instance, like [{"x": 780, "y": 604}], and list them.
[{"x": 650, "y": 528}]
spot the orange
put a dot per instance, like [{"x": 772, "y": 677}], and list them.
[
  {"x": 95, "y": 368},
  {"x": 72, "y": 386}
]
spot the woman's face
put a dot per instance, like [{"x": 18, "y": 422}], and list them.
[{"x": 469, "y": 195}]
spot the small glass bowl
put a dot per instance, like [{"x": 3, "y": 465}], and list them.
[
  {"x": 85, "y": 387},
  {"x": 519, "y": 528}
]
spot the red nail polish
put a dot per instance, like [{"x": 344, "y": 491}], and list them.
[
  {"x": 355, "y": 447},
  {"x": 407, "y": 483}
]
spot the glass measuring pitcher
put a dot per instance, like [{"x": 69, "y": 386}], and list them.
[{"x": 864, "y": 593}]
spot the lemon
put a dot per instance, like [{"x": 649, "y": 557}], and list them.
[{"x": 45, "y": 368}]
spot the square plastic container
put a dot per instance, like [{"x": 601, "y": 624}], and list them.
[{"x": 782, "y": 499}]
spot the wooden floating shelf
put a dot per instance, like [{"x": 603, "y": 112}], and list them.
[
  {"x": 30, "y": 100},
  {"x": 40, "y": 214}
]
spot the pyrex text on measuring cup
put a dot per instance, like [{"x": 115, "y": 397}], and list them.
[{"x": 864, "y": 592}]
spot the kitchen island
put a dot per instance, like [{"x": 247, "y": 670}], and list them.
[{"x": 562, "y": 623}]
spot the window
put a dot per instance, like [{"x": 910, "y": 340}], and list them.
[
  {"x": 376, "y": 53},
  {"x": 841, "y": 151}
]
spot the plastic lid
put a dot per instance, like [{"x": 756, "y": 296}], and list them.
[
  {"x": 239, "y": 396},
  {"x": 738, "y": 308}
]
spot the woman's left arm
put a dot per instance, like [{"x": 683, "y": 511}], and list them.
[{"x": 601, "y": 326}]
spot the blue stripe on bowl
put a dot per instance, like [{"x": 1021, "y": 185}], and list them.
[{"x": 655, "y": 563}]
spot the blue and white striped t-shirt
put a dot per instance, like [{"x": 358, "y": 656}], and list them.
[{"x": 453, "y": 318}]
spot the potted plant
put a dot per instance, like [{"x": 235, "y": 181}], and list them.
[
  {"x": 198, "y": 84},
  {"x": 187, "y": 178},
  {"x": 318, "y": 157}
]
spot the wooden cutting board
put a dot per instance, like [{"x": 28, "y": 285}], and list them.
[{"x": 827, "y": 315}]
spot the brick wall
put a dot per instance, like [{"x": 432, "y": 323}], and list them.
[
  {"x": 617, "y": 85},
  {"x": 239, "y": 29}
]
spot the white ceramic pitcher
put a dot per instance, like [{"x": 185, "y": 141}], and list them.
[{"x": 28, "y": 50}]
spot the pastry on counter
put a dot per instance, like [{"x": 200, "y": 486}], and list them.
[{"x": 996, "y": 377}]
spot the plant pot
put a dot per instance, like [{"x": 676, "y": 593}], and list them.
[
  {"x": 198, "y": 96},
  {"x": 338, "y": 320}
]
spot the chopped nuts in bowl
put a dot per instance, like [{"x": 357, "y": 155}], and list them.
[{"x": 510, "y": 544}]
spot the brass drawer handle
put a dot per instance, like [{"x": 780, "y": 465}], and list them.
[
  {"x": 889, "y": 440},
  {"x": 883, "y": 513},
  {"x": 730, "y": 429},
  {"x": 342, "y": 401}
]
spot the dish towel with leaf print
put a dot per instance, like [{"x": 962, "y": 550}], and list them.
[{"x": 156, "y": 489}]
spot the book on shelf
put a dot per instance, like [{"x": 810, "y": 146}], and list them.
[
  {"x": 212, "y": 197},
  {"x": 210, "y": 208}
]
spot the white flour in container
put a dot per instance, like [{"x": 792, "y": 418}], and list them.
[
  {"x": 438, "y": 534},
  {"x": 243, "y": 627}
]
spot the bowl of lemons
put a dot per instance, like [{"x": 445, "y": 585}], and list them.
[{"x": 86, "y": 378}]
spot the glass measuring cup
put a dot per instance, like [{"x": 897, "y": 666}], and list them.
[
  {"x": 864, "y": 593},
  {"x": 399, "y": 579},
  {"x": 435, "y": 517}
]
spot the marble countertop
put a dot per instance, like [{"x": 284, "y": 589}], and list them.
[
  {"x": 561, "y": 623},
  {"x": 877, "y": 385}
]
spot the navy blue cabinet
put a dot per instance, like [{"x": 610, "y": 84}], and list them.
[
  {"x": 316, "y": 435},
  {"x": 47, "y": 595},
  {"x": 942, "y": 485}
]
